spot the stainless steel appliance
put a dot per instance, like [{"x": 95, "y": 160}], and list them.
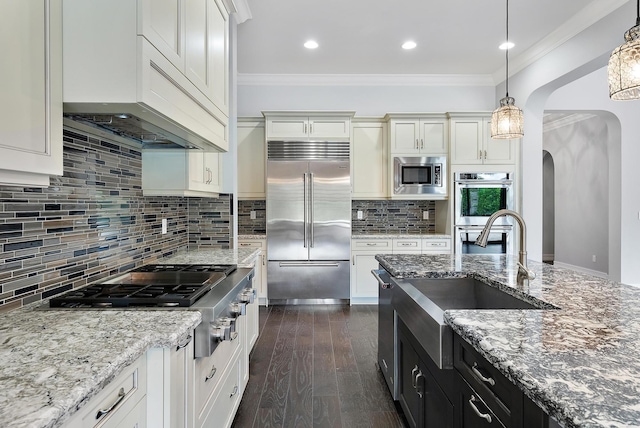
[
  {"x": 308, "y": 221},
  {"x": 420, "y": 175},
  {"x": 387, "y": 324},
  {"x": 219, "y": 292},
  {"x": 477, "y": 196}
]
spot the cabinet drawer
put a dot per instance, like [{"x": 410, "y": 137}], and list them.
[
  {"x": 118, "y": 399},
  {"x": 209, "y": 371},
  {"x": 227, "y": 398},
  {"x": 436, "y": 245},
  {"x": 474, "y": 412},
  {"x": 407, "y": 245},
  {"x": 378, "y": 245},
  {"x": 498, "y": 392}
]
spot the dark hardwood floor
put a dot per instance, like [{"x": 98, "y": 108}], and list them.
[{"x": 315, "y": 366}]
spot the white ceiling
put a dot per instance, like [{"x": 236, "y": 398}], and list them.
[{"x": 364, "y": 36}]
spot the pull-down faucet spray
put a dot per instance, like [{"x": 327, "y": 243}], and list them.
[{"x": 523, "y": 271}]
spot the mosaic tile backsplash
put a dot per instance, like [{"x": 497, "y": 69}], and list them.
[
  {"x": 93, "y": 222},
  {"x": 379, "y": 217}
]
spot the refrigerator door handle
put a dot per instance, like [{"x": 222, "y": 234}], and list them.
[
  {"x": 305, "y": 208},
  {"x": 311, "y": 209}
]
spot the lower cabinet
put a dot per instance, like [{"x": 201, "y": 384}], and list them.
[
  {"x": 422, "y": 399},
  {"x": 260, "y": 279}
]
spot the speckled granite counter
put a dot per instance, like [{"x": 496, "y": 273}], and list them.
[
  {"x": 239, "y": 256},
  {"x": 579, "y": 363},
  {"x": 52, "y": 362}
]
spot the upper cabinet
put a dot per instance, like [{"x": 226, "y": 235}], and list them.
[
  {"x": 31, "y": 88},
  {"x": 369, "y": 159},
  {"x": 181, "y": 173},
  {"x": 471, "y": 141},
  {"x": 251, "y": 159},
  {"x": 165, "y": 62},
  {"x": 308, "y": 126},
  {"x": 418, "y": 134}
]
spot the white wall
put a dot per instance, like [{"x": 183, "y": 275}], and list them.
[
  {"x": 581, "y": 158},
  {"x": 364, "y": 100}
]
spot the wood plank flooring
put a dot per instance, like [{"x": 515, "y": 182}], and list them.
[{"x": 315, "y": 366}]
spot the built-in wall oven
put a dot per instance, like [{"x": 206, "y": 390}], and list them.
[{"x": 477, "y": 196}]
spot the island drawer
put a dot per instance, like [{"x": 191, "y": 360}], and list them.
[{"x": 498, "y": 392}]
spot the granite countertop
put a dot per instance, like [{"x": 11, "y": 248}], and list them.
[
  {"x": 53, "y": 361},
  {"x": 578, "y": 363},
  {"x": 401, "y": 236}
]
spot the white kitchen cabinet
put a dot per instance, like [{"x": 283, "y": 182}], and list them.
[
  {"x": 163, "y": 61},
  {"x": 251, "y": 159},
  {"x": 31, "y": 88},
  {"x": 364, "y": 287},
  {"x": 413, "y": 134},
  {"x": 170, "y": 374},
  {"x": 121, "y": 403},
  {"x": 471, "y": 142},
  {"x": 260, "y": 279},
  {"x": 303, "y": 126},
  {"x": 369, "y": 154},
  {"x": 181, "y": 173}
]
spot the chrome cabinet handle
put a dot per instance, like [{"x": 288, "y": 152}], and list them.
[
  {"x": 234, "y": 335},
  {"x": 371, "y": 244},
  {"x": 417, "y": 146},
  {"x": 413, "y": 376},
  {"x": 103, "y": 412},
  {"x": 422, "y": 144},
  {"x": 488, "y": 380},
  {"x": 418, "y": 387},
  {"x": 382, "y": 283},
  {"x": 263, "y": 260},
  {"x": 184, "y": 344},
  {"x": 211, "y": 374},
  {"x": 485, "y": 416},
  {"x": 305, "y": 128},
  {"x": 234, "y": 392},
  {"x": 311, "y": 128}
]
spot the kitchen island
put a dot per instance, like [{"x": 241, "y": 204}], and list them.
[
  {"x": 578, "y": 363},
  {"x": 54, "y": 361}
]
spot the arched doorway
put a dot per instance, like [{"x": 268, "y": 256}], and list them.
[{"x": 548, "y": 208}]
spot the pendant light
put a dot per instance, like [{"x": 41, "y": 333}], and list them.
[
  {"x": 507, "y": 121},
  {"x": 624, "y": 65}
]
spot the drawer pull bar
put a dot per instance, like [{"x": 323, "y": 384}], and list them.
[
  {"x": 383, "y": 284},
  {"x": 103, "y": 412},
  {"x": 488, "y": 380},
  {"x": 212, "y": 373},
  {"x": 418, "y": 387},
  {"x": 485, "y": 416},
  {"x": 234, "y": 392},
  {"x": 184, "y": 344}
]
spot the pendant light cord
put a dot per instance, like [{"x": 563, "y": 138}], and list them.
[{"x": 507, "y": 50}]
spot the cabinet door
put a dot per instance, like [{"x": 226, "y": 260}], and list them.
[
  {"x": 329, "y": 127},
  {"x": 472, "y": 411},
  {"x": 162, "y": 23},
  {"x": 466, "y": 141},
  {"x": 198, "y": 176},
  {"x": 438, "y": 410},
  {"x": 251, "y": 161},
  {"x": 405, "y": 136},
  {"x": 410, "y": 395},
  {"x": 31, "y": 88},
  {"x": 434, "y": 137},
  {"x": 294, "y": 127},
  {"x": 498, "y": 152},
  {"x": 363, "y": 283},
  {"x": 213, "y": 171},
  {"x": 369, "y": 161},
  {"x": 218, "y": 44},
  {"x": 197, "y": 54}
]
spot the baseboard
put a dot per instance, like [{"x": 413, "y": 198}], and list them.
[
  {"x": 548, "y": 257},
  {"x": 581, "y": 269},
  {"x": 364, "y": 301}
]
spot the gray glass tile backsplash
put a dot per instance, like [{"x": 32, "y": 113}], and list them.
[
  {"x": 379, "y": 217},
  {"x": 93, "y": 222}
]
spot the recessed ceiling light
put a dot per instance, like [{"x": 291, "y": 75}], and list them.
[
  {"x": 409, "y": 45},
  {"x": 506, "y": 45},
  {"x": 311, "y": 44}
]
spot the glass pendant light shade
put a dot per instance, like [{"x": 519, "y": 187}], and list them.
[
  {"x": 624, "y": 68},
  {"x": 507, "y": 121}
]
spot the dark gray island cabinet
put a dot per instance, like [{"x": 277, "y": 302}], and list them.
[{"x": 471, "y": 395}]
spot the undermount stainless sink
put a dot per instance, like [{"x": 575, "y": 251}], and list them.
[{"x": 421, "y": 303}]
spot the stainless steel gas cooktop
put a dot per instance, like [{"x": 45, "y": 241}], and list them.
[{"x": 147, "y": 286}]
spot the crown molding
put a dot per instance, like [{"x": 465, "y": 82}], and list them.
[
  {"x": 565, "y": 120},
  {"x": 365, "y": 80},
  {"x": 582, "y": 20},
  {"x": 240, "y": 8}
]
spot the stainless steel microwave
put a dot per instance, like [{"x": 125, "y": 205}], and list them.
[{"x": 420, "y": 175}]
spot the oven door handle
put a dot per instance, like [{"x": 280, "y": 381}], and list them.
[{"x": 488, "y": 183}]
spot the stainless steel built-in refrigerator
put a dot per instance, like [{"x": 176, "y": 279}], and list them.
[{"x": 308, "y": 221}]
